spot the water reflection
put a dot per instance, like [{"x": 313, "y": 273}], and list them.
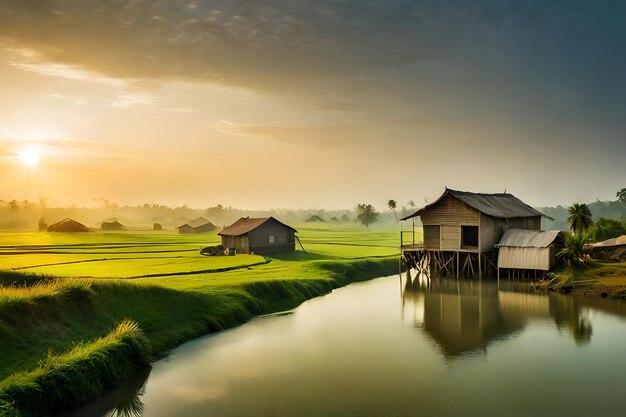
[
  {"x": 464, "y": 317},
  {"x": 379, "y": 348},
  {"x": 123, "y": 401}
]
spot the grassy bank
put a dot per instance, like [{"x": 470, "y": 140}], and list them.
[
  {"x": 602, "y": 279},
  {"x": 48, "y": 320},
  {"x": 77, "y": 376}
]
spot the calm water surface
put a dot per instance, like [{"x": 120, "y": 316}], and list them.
[{"x": 385, "y": 348}]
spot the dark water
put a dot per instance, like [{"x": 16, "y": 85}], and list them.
[{"x": 380, "y": 348}]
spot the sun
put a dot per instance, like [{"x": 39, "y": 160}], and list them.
[{"x": 29, "y": 158}]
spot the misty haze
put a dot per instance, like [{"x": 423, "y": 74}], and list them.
[{"x": 312, "y": 208}]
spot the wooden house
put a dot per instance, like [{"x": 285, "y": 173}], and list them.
[
  {"x": 463, "y": 227},
  {"x": 199, "y": 225},
  {"x": 264, "y": 236},
  {"x": 68, "y": 226},
  {"x": 112, "y": 224},
  {"x": 532, "y": 250}
]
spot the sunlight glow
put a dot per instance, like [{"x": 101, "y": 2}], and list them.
[{"x": 29, "y": 158}]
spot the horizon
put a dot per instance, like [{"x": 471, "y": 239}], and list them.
[
  {"x": 311, "y": 104},
  {"x": 378, "y": 204}
]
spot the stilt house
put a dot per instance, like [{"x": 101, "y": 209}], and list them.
[{"x": 461, "y": 229}]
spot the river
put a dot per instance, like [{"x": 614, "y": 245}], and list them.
[{"x": 388, "y": 348}]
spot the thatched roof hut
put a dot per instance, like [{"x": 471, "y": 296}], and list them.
[
  {"x": 111, "y": 225},
  {"x": 610, "y": 250},
  {"x": 68, "y": 226},
  {"x": 199, "y": 225},
  {"x": 314, "y": 218}
]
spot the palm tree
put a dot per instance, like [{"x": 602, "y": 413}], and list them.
[
  {"x": 621, "y": 195},
  {"x": 393, "y": 204},
  {"x": 574, "y": 251},
  {"x": 579, "y": 218},
  {"x": 367, "y": 214}
]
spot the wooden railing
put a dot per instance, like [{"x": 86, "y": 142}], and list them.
[{"x": 407, "y": 240}]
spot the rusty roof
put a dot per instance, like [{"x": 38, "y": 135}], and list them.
[
  {"x": 246, "y": 224},
  {"x": 499, "y": 205},
  {"x": 618, "y": 241}
]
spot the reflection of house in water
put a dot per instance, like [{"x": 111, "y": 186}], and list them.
[{"x": 466, "y": 317}]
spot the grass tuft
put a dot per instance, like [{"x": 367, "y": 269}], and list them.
[{"x": 76, "y": 377}]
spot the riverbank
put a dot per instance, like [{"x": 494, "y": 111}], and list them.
[
  {"x": 43, "y": 315},
  {"x": 598, "y": 279}
]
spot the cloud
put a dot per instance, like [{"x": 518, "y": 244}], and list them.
[
  {"x": 506, "y": 74},
  {"x": 330, "y": 136},
  {"x": 65, "y": 71},
  {"x": 125, "y": 100},
  {"x": 352, "y": 51}
]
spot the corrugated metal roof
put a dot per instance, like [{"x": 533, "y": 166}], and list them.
[
  {"x": 246, "y": 224},
  {"x": 521, "y": 238},
  {"x": 499, "y": 205},
  {"x": 618, "y": 241}
]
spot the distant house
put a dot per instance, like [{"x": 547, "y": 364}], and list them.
[
  {"x": 334, "y": 220},
  {"x": 111, "y": 225},
  {"x": 264, "y": 236},
  {"x": 68, "y": 225},
  {"x": 529, "y": 249},
  {"x": 199, "y": 225},
  {"x": 610, "y": 250},
  {"x": 314, "y": 218}
]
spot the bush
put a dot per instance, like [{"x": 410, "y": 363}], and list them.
[
  {"x": 605, "y": 229},
  {"x": 212, "y": 250}
]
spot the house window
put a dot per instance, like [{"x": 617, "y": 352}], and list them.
[
  {"x": 271, "y": 239},
  {"x": 469, "y": 237}
]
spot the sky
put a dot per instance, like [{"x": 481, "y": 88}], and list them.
[{"x": 311, "y": 103}]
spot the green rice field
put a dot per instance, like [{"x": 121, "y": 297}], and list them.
[
  {"x": 61, "y": 294},
  {"x": 164, "y": 254}
]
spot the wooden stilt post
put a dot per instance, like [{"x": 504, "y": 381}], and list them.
[
  {"x": 480, "y": 271},
  {"x": 457, "y": 264}
]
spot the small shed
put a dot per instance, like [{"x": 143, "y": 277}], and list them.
[
  {"x": 262, "y": 235},
  {"x": 529, "y": 249},
  {"x": 199, "y": 225},
  {"x": 69, "y": 226},
  {"x": 610, "y": 250},
  {"x": 112, "y": 224}
]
